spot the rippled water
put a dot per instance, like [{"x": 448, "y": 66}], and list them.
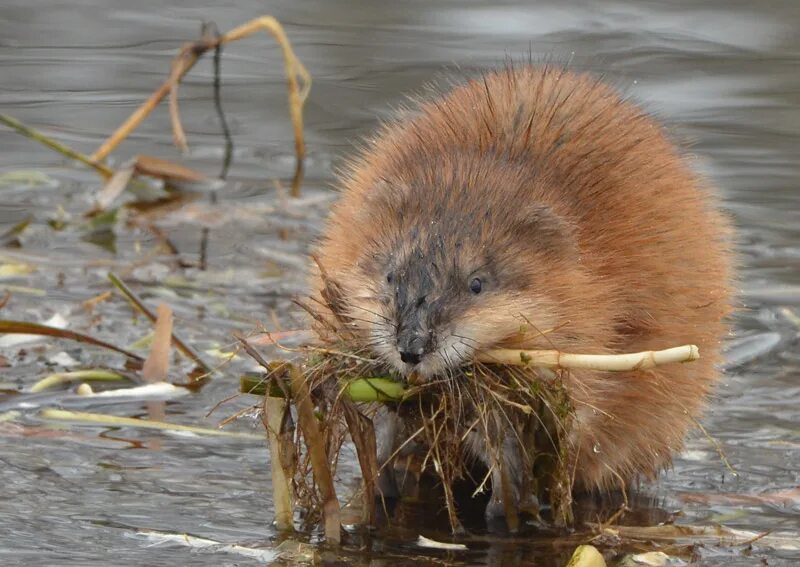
[{"x": 724, "y": 75}]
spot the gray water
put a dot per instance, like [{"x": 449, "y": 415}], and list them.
[{"x": 725, "y": 76}]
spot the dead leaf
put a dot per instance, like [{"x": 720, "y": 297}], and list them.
[
  {"x": 164, "y": 169},
  {"x": 114, "y": 187}
]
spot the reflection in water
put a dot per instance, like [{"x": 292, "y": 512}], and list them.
[{"x": 723, "y": 75}]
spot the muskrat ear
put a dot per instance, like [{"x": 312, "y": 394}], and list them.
[{"x": 553, "y": 234}]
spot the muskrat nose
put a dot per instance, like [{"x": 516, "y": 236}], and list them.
[
  {"x": 410, "y": 357},
  {"x": 412, "y": 342}
]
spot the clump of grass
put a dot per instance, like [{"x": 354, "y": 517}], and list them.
[{"x": 482, "y": 401}]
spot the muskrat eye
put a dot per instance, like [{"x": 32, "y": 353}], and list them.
[
  {"x": 390, "y": 277},
  {"x": 475, "y": 286}
]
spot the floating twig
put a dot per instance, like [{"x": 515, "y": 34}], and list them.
[
  {"x": 10, "y": 236},
  {"x": 262, "y": 555},
  {"x": 118, "y": 421},
  {"x": 698, "y": 534}
]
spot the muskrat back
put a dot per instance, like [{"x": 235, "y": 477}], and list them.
[{"x": 538, "y": 196}]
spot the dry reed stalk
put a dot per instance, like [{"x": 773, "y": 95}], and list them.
[
  {"x": 282, "y": 493},
  {"x": 362, "y": 433},
  {"x": 317, "y": 451}
]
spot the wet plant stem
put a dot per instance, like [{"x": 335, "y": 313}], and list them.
[{"x": 63, "y": 149}]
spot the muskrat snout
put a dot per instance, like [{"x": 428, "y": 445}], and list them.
[
  {"x": 412, "y": 347},
  {"x": 413, "y": 342},
  {"x": 410, "y": 357}
]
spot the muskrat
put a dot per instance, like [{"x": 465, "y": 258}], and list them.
[{"x": 539, "y": 195}]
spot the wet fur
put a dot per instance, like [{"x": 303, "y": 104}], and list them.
[{"x": 591, "y": 219}]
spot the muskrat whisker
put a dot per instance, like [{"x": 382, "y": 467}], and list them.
[
  {"x": 337, "y": 353},
  {"x": 464, "y": 338},
  {"x": 467, "y": 349},
  {"x": 371, "y": 312},
  {"x": 378, "y": 340}
]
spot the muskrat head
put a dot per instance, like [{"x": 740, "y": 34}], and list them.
[{"x": 442, "y": 278}]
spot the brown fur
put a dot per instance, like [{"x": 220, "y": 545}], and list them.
[{"x": 628, "y": 253}]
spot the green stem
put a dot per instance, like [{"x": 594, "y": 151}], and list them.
[
  {"x": 358, "y": 390},
  {"x": 15, "y": 124}
]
